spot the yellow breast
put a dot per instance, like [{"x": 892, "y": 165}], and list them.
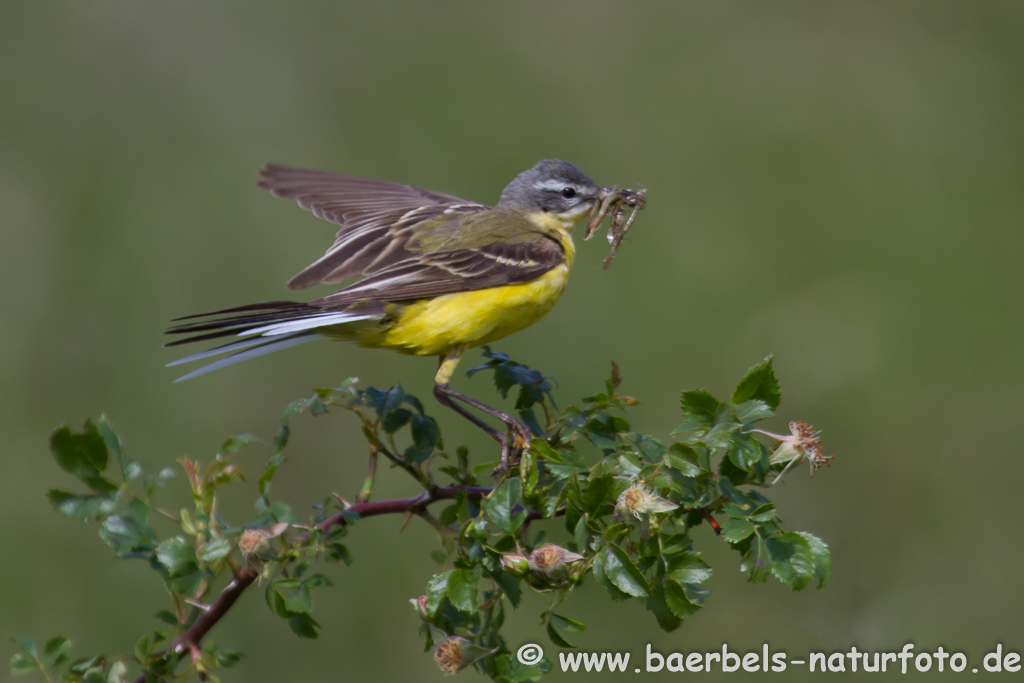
[{"x": 432, "y": 327}]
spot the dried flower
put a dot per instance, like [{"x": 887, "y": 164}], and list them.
[
  {"x": 448, "y": 655},
  {"x": 554, "y": 564},
  {"x": 638, "y": 500},
  {"x": 251, "y": 540},
  {"x": 255, "y": 540},
  {"x": 802, "y": 442},
  {"x": 454, "y": 653}
]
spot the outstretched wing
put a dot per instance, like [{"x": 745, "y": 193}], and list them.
[
  {"x": 375, "y": 218},
  {"x": 437, "y": 272}
]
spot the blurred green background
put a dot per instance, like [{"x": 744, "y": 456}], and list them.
[{"x": 840, "y": 184}]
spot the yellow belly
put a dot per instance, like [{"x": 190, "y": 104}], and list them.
[{"x": 432, "y": 327}]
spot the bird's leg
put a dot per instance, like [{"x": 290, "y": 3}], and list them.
[{"x": 518, "y": 435}]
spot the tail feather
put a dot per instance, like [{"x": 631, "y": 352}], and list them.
[
  {"x": 253, "y": 352},
  {"x": 264, "y": 328}
]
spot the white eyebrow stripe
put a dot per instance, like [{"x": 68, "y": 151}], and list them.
[{"x": 552, "y": 184}]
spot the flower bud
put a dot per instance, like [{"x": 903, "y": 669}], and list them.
[
  {"x": 516, "y": 565},
  {"x": 420, "y": 605}
]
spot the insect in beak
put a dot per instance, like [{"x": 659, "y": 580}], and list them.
[{"x": 615, "y": 202}]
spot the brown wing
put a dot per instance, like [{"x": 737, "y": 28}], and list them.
[
  {"x": 435, "y": 273},
  {"x": 375, "y": 216}
]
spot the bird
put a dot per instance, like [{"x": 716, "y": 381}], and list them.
[{"x": 438, "y": 274}]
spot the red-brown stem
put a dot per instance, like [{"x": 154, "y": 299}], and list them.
[
  {"x": 245, "y": 577},
  {"x": 706, "y": 514}
]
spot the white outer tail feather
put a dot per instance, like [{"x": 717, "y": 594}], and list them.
[{"x": 273, "y": 337}]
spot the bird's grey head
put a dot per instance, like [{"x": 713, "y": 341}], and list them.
[{"x": 552, "y": 186}]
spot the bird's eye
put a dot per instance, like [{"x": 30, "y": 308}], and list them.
[{"x": 568, "y": 192}]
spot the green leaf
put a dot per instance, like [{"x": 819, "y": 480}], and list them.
[
  {"x": 700, "y": 408},
  {"x": 296, "y": 595},
  {"x": 792, "y": 561},
  {"x": 178, "y": 558},
  {"x": 677, "y": 601},
  {"x": 511, "y": 670},
  {"x": 557, "y": 638},
  {"x": 759, "y": 383},
  {"x": 235, "y": 443},
  {"x": 757, "y": 563},
  {"x": 744, "y": 451},
  {"x": 657, "y": 604},
  {"x": 528, "y": 471},
  {"x": 501, "y": 504},
  {"x": 753, "y": 410},
  {"x": 510, "y": 585},
  {"x": 55, "y": 647},
  {"x": 437, "y": 588},
  {"x": 598, "y": 493},
  {"x": 127, "y": 532},
  {"x": 395, "y": 420},
  {"x": 622, "y": 572},
  {"x": 215, "y": 550},
  {"x": 688, "y": 567},
  {"x": 463, "y": 589},
  {"x": 83, "y": 455},
  {"x": 304, "y": 625},
  {"x": 567, "y": 624},
  {"x": 83, "y": 507},
  {"x": 683, "y": 459},
  {"x": 603, "y": 580},
  {"x": 21, "y": 664},
  {"x": 821, "y": 557},
  {"x": 735, "y": 529},
  {"x": 425, "y": 432}
]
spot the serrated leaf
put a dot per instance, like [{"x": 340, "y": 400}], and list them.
[
  {"x": 699, "y": 407},
  {"x": 437, "y": 588},
  {"x": 395, "y": 420},
  {"x": 821, "y": 557},
  {"x": 82, "y": 507},
  {"x": 557, "y": 638},
  {"x": 623, "y": 572},
  {"x": 83, "y": 455},
  {"x": 55, "y": 647},
  {"x": 744, "y": 451},
  {"x": 304, "y": 625},
  {"x": 425, "y": 432},
  {"x": 677, "y": 601},
  {"x": 511, "y": 670},
  {"x": 657, "y": 605},
  {"x": 602, "y": 579},
  {"x": 753, "y": 410},
  {"x": 567, "y": 624},
  {"x": 735, "y": 529},
  {"x": 235, "y": 443},
  {"x": 501, "y": 506},
  {"x": 792, "y": 561},
  {"x": 757, "y": 563},
  {"x": 688, "y": 567},
  {"x": 528, "y": 471},
  {"x": 759, "y": 383},
  {"x": 21, "y": 664},
  {"x": 463, "y": 589},
  {"x": 509, "y": 585},
  {"x": 215, "y": 550}
]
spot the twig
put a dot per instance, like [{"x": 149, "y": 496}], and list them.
[{"x": 245, "y": 577}]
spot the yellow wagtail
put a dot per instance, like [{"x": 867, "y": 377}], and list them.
[{"x": 441, "y": 274}]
